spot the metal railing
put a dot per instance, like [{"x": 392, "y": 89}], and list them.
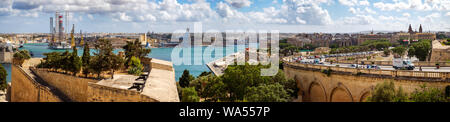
[
  {"x": 389, "y": 63},
  {"x": 379, "y": 72}
]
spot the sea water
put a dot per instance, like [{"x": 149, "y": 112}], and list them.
[{"x": 38, "y": 49}]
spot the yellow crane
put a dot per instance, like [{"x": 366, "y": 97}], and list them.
[{"x": 82, "y": 41}]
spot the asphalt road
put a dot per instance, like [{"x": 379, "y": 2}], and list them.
[{"x": 430, "y": 69}]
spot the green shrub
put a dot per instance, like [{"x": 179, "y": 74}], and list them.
[
  {"x": 135, "y": 66},
  {"x": 20, "y": 57},
  {"x": 426, "y": 94},
  {"x": 189, "y": 95},
  {"x": 3, "y": 75},
  {"x": 386, "y": 92}
]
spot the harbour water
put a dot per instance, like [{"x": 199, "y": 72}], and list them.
[
  {"x": 38, "y": 49},
  {"x": 8, "y": 70}
]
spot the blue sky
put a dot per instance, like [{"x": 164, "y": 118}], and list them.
[{"x": 27, "y": 16}]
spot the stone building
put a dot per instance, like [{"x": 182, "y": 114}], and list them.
[
  {"x": 394, "y": 37},
  {"x": 6, "y": 53}
]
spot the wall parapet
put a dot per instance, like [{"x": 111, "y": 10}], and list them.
[
  {"x": 437, "y": 76},
  {"x": 389, "y": 63},
  {"x": 71, "y": 86},
  {"x": 100, "y": 93},
  {"x": 24, "y": 88}
]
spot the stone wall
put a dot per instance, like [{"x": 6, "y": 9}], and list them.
[
  {"x": 440, "y": 55},
  {"x": 100, "y": 93},
  {"x": 316, "y": 86},
  {"x": 75, "y": 88},
  {"x": 6, "y": 57},
  {"x": 26, "y": 89}
]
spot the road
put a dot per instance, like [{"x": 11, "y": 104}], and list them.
[{"x": 429, "y": 69}]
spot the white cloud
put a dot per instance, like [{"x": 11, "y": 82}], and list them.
[
  {"x": 420, "y": 5},
  {"x": 406, "y": 14},
  {"x": 291, "y": 12},
  {"x": 90, "y": 16},
  {"x": 354, "y": 2},
  {"x": 370, "y": 11},
  {"x": 430, "y": 18},
  {"x": 359, "y": 11},
  {"x": 5, "y": 7},
  {"x": 364, "y": 3},
  {"x": 359, "y": 20},
  {"x": 239, "y": 3},
  {"x": 352, "y": 10},
  {"x": 306, "y": 12}
]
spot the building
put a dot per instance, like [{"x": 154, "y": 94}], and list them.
[
  {"x": 298, "y": 42},
  {"x": 395, "y": 37},
  {"x": 361, "y": 39},
  {"x": 6, "y": 52}
]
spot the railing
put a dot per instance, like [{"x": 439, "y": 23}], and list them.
[
  {"x": 389, "y": 63},
  {"x": 394, "y": 73}
]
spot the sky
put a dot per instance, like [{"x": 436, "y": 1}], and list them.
[{"x": 327, "y": 16}]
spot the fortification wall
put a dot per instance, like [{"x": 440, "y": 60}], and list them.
[
  {"x": 316, "y": 86},
  {"x": 75, "y": 88},
  {"x": 26, "y": 89},
  {"x": 100, "y": 93},
  {"x": 6, "y": 57}
]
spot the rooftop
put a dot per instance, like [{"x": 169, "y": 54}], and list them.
[{"x": 160, "y": 85}]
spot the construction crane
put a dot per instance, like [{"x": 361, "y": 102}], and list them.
[
  {"x": 81, "y": 41},
  {"x": 71, "y": 36}
]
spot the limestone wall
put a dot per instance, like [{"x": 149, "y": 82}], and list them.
[
  {"x": 100, "y": 93},
  {"x": 6, "y": 57},
  {"x": 75, "y": 88},
  {"x": 26, "y": 89},
  {"x": 440, "y": 55},
  {"x": 316, "y": 86}
]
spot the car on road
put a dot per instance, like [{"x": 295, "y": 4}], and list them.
[{"x": 400, "y": 63}]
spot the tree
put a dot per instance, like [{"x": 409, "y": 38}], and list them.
[
  {"x": 214, "y": 90},
  {"x": 75, "y": 62},
  {"x": 387, "y": 52},
  {"x": 185, "y": 78},
  {"x": 385, "y": 92},
  {"x": 135, "y": 66},
  {"x": 3, "y": 75},
  {"x": 20, "y": 57},
  {"x": 86, "y": 59},
  {"x": 420, "y": 49},
  {"x": 400, "y": 50},
  {"x": 190, "y": 95},
  {"x": 204, "y": 74},
  {"x": 238, "y": 77},
  {"x": 267, "y": 93},
  {"x": 116, "y": 64},
  {"x": 426, "y": 94},
  {"x": 96, "y": 65},
  {"x": 289, "y": 85},
  {"x": 104, "y": 57},
  {"x": 135, "y": 49}
]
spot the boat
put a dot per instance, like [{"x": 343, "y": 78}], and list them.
[{"x": 60, "y": 46}]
